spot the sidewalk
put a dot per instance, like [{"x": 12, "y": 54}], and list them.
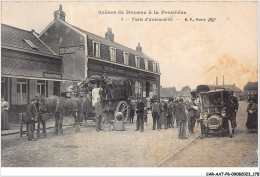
[{"x": 50, "y": 123}]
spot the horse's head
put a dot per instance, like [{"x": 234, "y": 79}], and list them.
[{"x": 42, "y": 104}]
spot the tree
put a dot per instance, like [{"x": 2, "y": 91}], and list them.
[{"x": 186, "y": 88}]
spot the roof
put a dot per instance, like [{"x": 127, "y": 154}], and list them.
[
  {"x": 167, "y": 92},
  {"x": 183, "y": 94},
  {"x": 214, "y": 91},
  {"x": 22, "y": 39},
  {"x": 107, "y": 42},
  {"x": 251, "y": 86},
  {"x": 233, "y": 88},
  {"x": 16, "y": 71}
]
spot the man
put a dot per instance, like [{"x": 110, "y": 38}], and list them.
[
  {"x": 41, "y": 119},
  {"x": 181, "y": 118},
  {"x": 192, "y": 115},
  {"x": 163, "y": 114},
  {"x": 132, "y": 111},
  {"x": 98, "y": 114},
  {"x": 31, "y": 117},
  {"x": 174, "y": 114},
  {"x": 140, "y": 115},
  {"x": 169, "y": 114},
  {"x": 234, "y": 110},
  {"x": 156, "y": 112}
]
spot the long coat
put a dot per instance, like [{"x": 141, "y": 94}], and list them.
[
  {"x": 31, "y": 113},
  {"x": 180, "y": 112}
]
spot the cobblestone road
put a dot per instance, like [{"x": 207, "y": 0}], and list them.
[
  {"x": 89, "y": 148},
  {"x": 216, "y": 151}
]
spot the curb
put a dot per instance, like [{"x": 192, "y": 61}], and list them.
[
  {"x": 178, "y": 150},
  {"x": 18, "y": 131}
]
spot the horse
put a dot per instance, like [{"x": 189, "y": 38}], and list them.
[{"x": 60, "y": 106}]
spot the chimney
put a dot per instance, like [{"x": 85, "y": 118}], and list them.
[
  {"x": 223, "y": 80},
  {"x": 217, "y": 80},
  {"x": 59, "y": 14},
  {"x": 109, "y": 35},
  {"x": 139, "y": 48}
]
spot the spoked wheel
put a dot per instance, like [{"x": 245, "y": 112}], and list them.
[
  {"x": 123, "y": 108},
  {"x": 230, "y": 129}
]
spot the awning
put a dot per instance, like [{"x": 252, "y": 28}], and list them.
[{"x": 17, "y": 72}]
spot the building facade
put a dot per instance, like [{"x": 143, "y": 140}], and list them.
[
  {"x": 86, "y": 54},
  {"x": 250, "y": 90},
  {"x": 28, "y": 67}
]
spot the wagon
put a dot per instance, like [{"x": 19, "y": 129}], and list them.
[{"x": 115, "y": 95}]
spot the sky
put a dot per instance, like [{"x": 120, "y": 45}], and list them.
[{"x": 188, "y": 52}]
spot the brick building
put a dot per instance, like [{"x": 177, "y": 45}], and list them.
[
  {"x": 28, "y": 67},
  {"x": 251, "y": 90},
  {"x": 86, "y": 54}
]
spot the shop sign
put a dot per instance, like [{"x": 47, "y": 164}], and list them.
[
  {"x": 52, "y": 75},
  {"x": 73, "y": 49}
]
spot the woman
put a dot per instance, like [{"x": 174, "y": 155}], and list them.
[
  {"x": 5, "y": 118},
  {"x": 252, "y": 111}
]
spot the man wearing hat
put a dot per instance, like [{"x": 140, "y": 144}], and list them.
[
  {"x": 156, "y": 112},
  {"x": 31, "y": 117},
  {"x": 181, "y": 118}
]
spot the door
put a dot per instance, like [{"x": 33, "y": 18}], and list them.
[
  {"x": 56, "y": 88},
  {"x": 147, "y": 89}
]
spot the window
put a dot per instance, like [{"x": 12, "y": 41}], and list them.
[
  {"x": 112, "y": 54},
  {"x": 154, "y": 67},
  {"x": 31, "y": 44},
  {"x": 146, "y": 64},
  {"x": 126, "y": 58},
  {"x": 96, "y": 49},
  {"x": 22, "y": 94},
  {"x": 137, "y": 61},
  {"x": 42, "y": 87},
  {"x": 155, "y": 90},
  {"x": 3, "y": 85},
  {"x": 138, "y": 89}
]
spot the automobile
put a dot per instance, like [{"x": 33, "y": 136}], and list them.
[{"x": 214, "y": 115}]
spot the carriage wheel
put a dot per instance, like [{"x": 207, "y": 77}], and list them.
[
  {"x": 123, "y": 108},
  {"x": 230, "y": 129}
]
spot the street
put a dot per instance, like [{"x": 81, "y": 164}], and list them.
[
  {"x": 217, "y": 151},
  {"x": 130, "y": 148}
]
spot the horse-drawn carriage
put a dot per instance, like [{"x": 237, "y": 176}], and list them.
[
  {"x": 114, "y": 92},
  {"x": 115, "y": 95}
]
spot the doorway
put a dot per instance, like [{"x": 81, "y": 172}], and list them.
[{"x": 147, "y": 89}]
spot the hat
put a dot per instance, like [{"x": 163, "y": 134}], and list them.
[
  {"x": 33, "y": 99},
  {"x": 251, "y": 99}
]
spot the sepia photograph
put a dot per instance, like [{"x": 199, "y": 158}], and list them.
[{"x": 130, "y": 84}]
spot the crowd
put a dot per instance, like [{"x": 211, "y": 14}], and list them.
[
  {"x": 171, "y": 113},
  {"x": 166, "y": 114}
]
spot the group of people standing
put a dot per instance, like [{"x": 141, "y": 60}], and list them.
[
  {"x": 175, "y": 111},
  {"x": 165, "y": 113}
]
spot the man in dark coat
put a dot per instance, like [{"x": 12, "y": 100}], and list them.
[
  {"x": 98, "y": 114},
  {"x": 156, "y": 112},
  {"x": 234, "y": 110},
  {"x": 140, "y": 115},
  {"x": 31, "y": 117},
  {"x": 181, "y": 118}
]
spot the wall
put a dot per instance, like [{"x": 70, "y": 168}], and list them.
[
  {"x": 98, "y": 68},
  {"x": 60, "y": 35}
]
